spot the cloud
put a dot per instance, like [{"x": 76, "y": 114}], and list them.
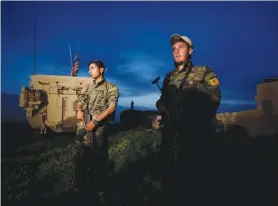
[{"x": 144, "y": 67}]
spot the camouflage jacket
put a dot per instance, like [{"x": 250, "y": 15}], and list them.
[
  {"x": 200, "y": 77},
  {"x": 98, "y": 97}
]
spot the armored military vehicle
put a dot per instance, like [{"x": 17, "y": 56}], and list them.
[{"x": 50, "y": 102}]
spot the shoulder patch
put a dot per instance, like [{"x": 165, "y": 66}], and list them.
[
  {"x": 209, "y": 76},
  {"x": 213, "y": 82}
]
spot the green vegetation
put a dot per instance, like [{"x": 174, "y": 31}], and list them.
[
  {"x": 42, "y": 172},
  {"x": 129, "y": 146}
]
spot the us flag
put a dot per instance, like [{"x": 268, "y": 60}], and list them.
[{"x": 75, "y": 65}]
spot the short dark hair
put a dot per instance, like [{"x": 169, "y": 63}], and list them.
[{"x": 99, "y": 63}]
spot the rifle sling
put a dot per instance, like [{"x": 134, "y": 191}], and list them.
[{"x": 185, "y": 78}]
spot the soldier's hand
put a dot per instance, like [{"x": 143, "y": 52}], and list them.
[
  {"x": 90, "y": 126},
  {"x": 80, "y": 115}
]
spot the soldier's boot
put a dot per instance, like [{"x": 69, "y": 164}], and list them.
[
  {"x": 41, "y": 133},
  {"x": 102, "y": 198},
  {"x": 44, "y": 130}
]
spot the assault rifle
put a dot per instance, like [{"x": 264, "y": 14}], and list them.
[
  {"x": 175, "y": 115},
  {"x": 80, "y": 134}
]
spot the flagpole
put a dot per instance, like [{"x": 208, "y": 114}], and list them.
[
  {"x": 35, "y": 47},
  {"x": 70, "y": 60},
  {"x": 78, "y": 56}
]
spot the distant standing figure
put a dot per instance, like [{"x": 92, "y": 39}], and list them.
[{"x": 132, "y": 104}]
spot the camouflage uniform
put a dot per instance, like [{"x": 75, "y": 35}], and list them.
[
  {"x": 95, "y": 100},
  {"x": 98, "y": 97},
  {"x": 200, "y": 77}
]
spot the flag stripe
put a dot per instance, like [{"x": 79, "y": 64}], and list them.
[{"x": 75, "y": 65}]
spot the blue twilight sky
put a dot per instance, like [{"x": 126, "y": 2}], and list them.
[{"x": 238, "y": 40}]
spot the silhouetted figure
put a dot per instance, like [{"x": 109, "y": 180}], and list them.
[{"x": 131, "y": 105}]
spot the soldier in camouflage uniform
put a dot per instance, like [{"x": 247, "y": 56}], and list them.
[
  {"x": 99, "y": 101},
  {"x": 185, "y": 75}
]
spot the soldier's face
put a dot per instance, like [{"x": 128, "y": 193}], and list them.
[
  {"x": 181, "y": 52},
  {"x": 94, "y": 71}
]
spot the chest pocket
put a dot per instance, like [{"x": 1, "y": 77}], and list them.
[
  {"x": 197, "y": 77},
  {"x": 191, "y": 78},
  {"x": 101, "y": 98}
]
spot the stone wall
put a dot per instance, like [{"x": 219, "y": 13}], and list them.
[
  {"x": 264, "y": 119},
  {"x": 133, "y": 118}
]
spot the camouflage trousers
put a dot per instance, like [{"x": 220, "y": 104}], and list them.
[{"x": 92, "y": 166}]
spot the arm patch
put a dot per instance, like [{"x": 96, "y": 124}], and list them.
[{"x": 213, "y": 82}]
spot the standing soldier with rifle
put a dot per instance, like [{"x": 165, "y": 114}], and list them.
[
  {"x": 185, "y": 75},
  {"x": 99, "y": 102}
]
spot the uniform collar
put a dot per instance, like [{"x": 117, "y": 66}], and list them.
[
  {"x": 97, "y": 83},
  {"x": 188, "y": 65}
]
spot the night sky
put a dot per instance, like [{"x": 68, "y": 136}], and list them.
[{"x": 238, "y": 40}]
